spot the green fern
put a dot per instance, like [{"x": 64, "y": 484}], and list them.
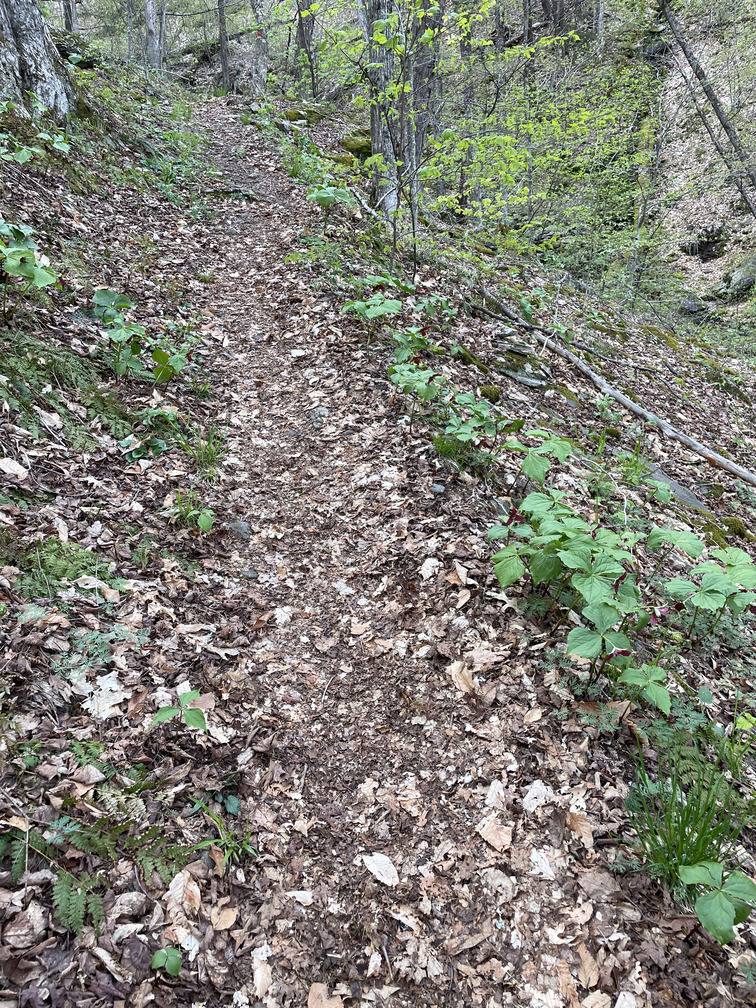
[{"x": 76, "y": 899}]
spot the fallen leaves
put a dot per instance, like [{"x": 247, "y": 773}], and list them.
[
  {"x": 382, "y": 868},
  {"x": 319, "y": 997}
]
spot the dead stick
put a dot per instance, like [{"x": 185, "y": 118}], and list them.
[{"x": 603, "y": 386}]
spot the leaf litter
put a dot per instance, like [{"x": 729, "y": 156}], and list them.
[{"x": 426, "y": 828}]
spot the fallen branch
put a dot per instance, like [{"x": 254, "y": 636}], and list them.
[{"x": 507, "y": 315}]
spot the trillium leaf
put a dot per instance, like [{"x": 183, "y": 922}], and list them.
[
  {"x": 584, "y": 642},
  {"x": 535, "y": 466},
  {"x": 708, "y": 873},
  {"x": 195, "y": 718},
  {"x": 545, "y": 567},
  {"x": 717, "y": 914},
  {"x": 165, "y": 714},
  {"x": 508, "y": 570},
  {"x": 740, "y": 886}
]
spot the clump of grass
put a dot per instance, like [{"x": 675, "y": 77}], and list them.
[{"x": 682, "y": 817}]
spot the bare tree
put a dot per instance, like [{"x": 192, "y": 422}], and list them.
[
  {"x": 29, "y": 60},
  {"x": 70, "y": 16},
  {"x": 152, "y": 33},
  {"x": 717, "y": 107},
  {"x": 259, "y": 57},
  {"x": 223, "y": 44}
]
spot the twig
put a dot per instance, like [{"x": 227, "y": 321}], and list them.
[{"x": 603, "y": 386}]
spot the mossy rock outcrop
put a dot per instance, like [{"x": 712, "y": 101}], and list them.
[
  {"x": 358, "y": 144},
  {"x": 310, "y": 114}
]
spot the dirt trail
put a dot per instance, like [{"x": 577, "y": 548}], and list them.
[{"x": 362, "y": 566}]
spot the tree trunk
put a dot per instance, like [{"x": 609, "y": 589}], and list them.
[
  {"x": 258, "y": 67},
  {"x": 380, "y": 73},
  {"x": 70, "y": 16},
  {"x": 29, "y": 60},
  {"x": 161, "y": 36},
  {"x": 223, "y": 45},
  {"x": 129, "y": 30},
  {"x": 152, "y": 33},
  {"x": 304, "y": 57},
  {"x": 710, "y": 93}
]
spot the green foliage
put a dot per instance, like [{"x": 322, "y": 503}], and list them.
[
  {"x": 682, "y": 819},
  {"x": 189, "y": 509},
  {"x": 234, "y": 848},
  {"x": 721, "y": 901},
  {"x": 49, "y": 564},
  {"x": 23, "y": 140},
  {"x": 193, "y": 717},
  {"x": 127, "y": 340},
  {"x": 328, "y": 196},
  {"x": 21, "y": 260},
  {"x": 168, "y": 959}
]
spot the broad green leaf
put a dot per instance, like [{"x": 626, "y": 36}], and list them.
[
  {"x": 186, "y": 698},
  {"x": 545, "y": 567},
  {"x": 535, "y": 466},
  {"x": 740, "y": 886},
  {"x": 659, "y": 696},
  {"x": 717, "y": 914},
  {"x": 195, "y": 718},
  {"x": 205, "y": 521},
  {"x": 708, "y": 873},
  {"x": 601, "y": 614},
  {"x": 680, "y": 588},
  {"x": 686, "y": 541},
  {"x": 165, "y": 714},
  {"x": 508, "y": 570},
  {"x": 584, "y": 642}
]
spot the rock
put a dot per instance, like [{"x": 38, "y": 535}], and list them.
[
  {"x": 679, "y": 492},
  {"x": 691, "y": 304},
  {"x": 358, "y": 144},
  {"x": 241, "y": 530},
  {"x": 318, "y": 416},
  {"x": 708, "y": 244},
  {"x": 525, "y": 368},
  {"x": 250, "y": 575},
  {"x": 437, "y": 489},
  {"x": 741, "y": 279}
]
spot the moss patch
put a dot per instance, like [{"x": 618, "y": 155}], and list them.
[
  {"x": 467, "y": 357},
  {"x": 491, "y": 392}
]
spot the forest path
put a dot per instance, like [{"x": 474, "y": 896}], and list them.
[{"x": 358, "y": 563}]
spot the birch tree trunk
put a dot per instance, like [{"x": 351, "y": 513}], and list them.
[
  {"x": 223, "y": 45},
  {"x": 258, "y": 66},
  {"x": 152, "y": 33},
  {"x": 29, "y": 60},
  {"x": 380, "y": 73}
]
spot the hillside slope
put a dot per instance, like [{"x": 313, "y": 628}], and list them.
[{"x": 432, "y": 792}]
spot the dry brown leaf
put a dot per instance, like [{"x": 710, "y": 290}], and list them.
[
  {"x": 533, "y": 715},
  {"x": 262, "y": 978},
  {"x": 567, "y": 987},
  {"x": 223, "y": 917},
  {"x": 596, "y": 1000},
  {"x": 580, "y": 825},
  {"x": 494, "y": 832},
  {"x": 462, "y": 677},
  {"x": 183, "y": 894},
  {"x": 382, "y": 867},
  {"x": 588, "y": 971},
  {"x": 319, "y": 998}
]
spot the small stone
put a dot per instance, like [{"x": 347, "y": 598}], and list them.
[
  {"x": 241, "y": 530},
  {"x": 438, "y": 489},
  {"x": 250, "y": 575},
  {"x": 318, "y": 416}
]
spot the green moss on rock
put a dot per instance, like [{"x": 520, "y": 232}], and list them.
[
  {"x": 469, "y": 358},
  {"x": 491, "y": 392},
  {"x": 715, "y": 534}
]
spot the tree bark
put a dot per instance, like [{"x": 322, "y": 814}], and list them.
[
  {"x": 70, "y": 16},
  {"x": 29, "y": 60},
  {"x": 304, "y": 57},
  {"x": 379, "y": 74},
  {"x": 152, "y": 33},
  {"x": 223, "y": 45},
  {"x": 710, "y": 93},
  {"x": 259, "y": 62},
  {"x": 129, "y": 30}
]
